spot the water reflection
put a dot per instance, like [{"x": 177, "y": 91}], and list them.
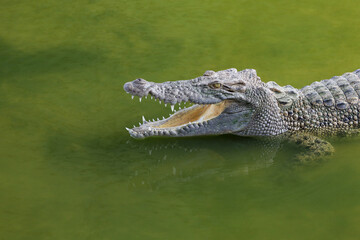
[
  {"x": 156, "y": 163},
  {"x": 186, "y": 160}
]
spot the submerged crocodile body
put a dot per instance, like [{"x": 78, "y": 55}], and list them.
[{"x": 238, "y": 102}]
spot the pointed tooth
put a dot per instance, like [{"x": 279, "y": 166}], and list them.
[
  {"x": 132, "y": 97},
  {"x": 159, "y": 101},
  {"x": 165, "y": 104},
  {"x": 143, "y": 118},
  {"x": 153, "y": 120},
  {"x": 163, "y": 117},
  {"x": 157, "y": 119},
  {"x": 179, "y": 108},
  {"x": 139, "y": 99},
  {"x": 151, "y": 97},
  {"x": 134, "y": 125},
  {"x": 139, "y": 124},
  {"x": 172, "y": 107},
  {"x": 146, "y": 97},
  {"x": 127, "y": 129}
]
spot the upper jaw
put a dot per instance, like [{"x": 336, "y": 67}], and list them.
[{"x": 171, "y": 92}]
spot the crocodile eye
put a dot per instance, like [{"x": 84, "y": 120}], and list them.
[{"x": 215, "y": 85}]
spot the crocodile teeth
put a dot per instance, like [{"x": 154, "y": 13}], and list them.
[
  {"x": 172, "y": 107},
  {"x": 139, "y": 99},
  {"x": 143, "y": 118},
  {"x": 132, "y": 97}
]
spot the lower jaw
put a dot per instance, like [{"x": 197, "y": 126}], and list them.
[
  {"x": 187, "y": 122},
  {"x": 187, "y": 130}
]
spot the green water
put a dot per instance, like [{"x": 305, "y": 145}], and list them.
[{"x": 69, "y": 170}]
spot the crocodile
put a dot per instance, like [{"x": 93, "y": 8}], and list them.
[{"x": 240, "y": 103}]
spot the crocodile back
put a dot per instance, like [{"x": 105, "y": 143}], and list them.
[{"x": 339, "y": 91}]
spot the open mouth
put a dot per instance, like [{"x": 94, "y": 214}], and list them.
[{"x": 180, "y": 122}]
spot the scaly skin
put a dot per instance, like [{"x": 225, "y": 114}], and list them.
[
  {"x": 238, "y": 102},
  {"x": 325, "y": 107}
]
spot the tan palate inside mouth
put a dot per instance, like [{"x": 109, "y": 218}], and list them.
[{"x": 200, "y": 112}]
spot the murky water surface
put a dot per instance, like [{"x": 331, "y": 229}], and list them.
[{"x": 69, "y": 170}]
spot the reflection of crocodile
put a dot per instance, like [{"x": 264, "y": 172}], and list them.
[
  {"x": 165, "y": 163},
  {"x": 238, "y": 102},
  {"x": 160, "y": 164}
]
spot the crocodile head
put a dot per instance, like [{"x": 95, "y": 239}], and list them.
[{"x": 227, "y": 101}]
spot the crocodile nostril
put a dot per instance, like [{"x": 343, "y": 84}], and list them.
[{"x": 140, "y": 81}]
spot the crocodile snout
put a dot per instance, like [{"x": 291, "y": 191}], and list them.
[
  {"x": 137, "y": 87},
  {"x": 128, "y": 86}
]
